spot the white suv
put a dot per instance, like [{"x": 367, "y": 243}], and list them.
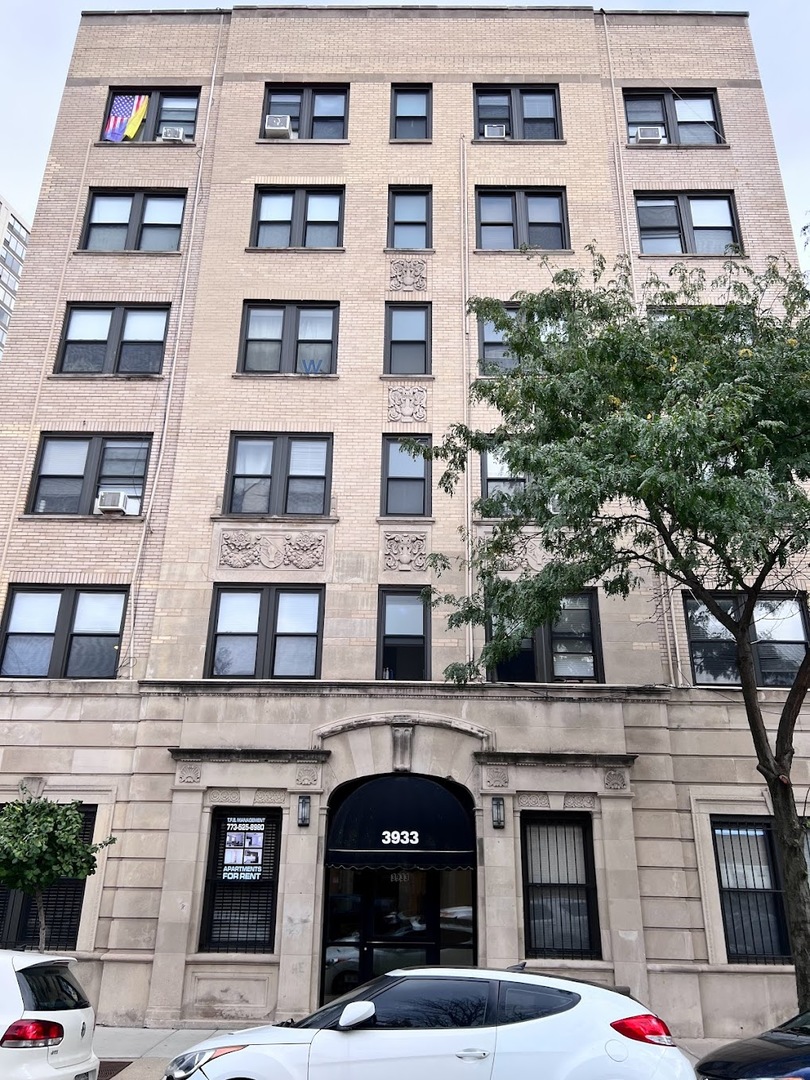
[{"x": 46, "y": 1021}]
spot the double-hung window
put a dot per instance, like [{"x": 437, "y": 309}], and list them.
[
  {"x": 403, "y": 647},
  {"x": 407, "y": 339},
  {"x": 67, "y": 633},
  {"x": 266, "y": 632},
  {"x": 495, "y": 356},
  {"x": 298, "y": 217},
  {"x": 670, "y": 116},
  {"x": 517, "y": 112},
  {"x": 289, "y": 338},
  {"x": 279, "y": 475},
  {"x": 134, "y": 221},
  {"x": 119, "y": 340},
  {"x": 315, "y": 112},
  {"x": 567, "y": 649},
  {"x": 146, "y": 116},
  {"x": 778, "y": 641},
  {"x": 410, "y": 112},
  {"x": 559, "y": 887},
  {"x": 497, "y": 478},
  {"x": 406, "y": 480},
  {"x": 73, "y": 471},
  {"x": 510, "y": 218},
  {"x": 686, "y": 224},
  {"x": 409, "y": 218}
]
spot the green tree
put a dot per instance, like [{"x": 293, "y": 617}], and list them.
[
  {"x": 40, "y": 843},
  {"x": 664, "y": 440}
]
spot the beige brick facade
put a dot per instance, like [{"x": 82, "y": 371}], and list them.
[{"x": 643, "y": 756}]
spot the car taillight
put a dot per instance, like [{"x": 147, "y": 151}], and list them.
[
  {"x": 645, "y": 1028},
  {"x": 33, "y": 1033}
]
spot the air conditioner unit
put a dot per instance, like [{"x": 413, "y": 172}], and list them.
[
  {"x": 494, "y": 131},
  {"x": 115, "y": 502},
  {"x": 277, "y": 126},
  {"x": 172, "y": 134},
  {"x": 650, "y": 136}
]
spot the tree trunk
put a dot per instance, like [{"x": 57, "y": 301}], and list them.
[
  {"x": 40, "y": 919},
  {"x": 790, "y": 836}
]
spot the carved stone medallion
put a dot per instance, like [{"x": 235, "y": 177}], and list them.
[
  {"x": 497, "y": 776},
  {"x": 533, "y": 800},
  {"x": 407, "y": 404},
  {"x": 306, "y": 775},
  {"x": 405, "y": 550},
  {"x": 228, "y": 796},
  {"x": 269, "y": 797},
  {"x": 189, "y": 773},
  {"x": 579, "y": 800},
  {"x": 294, "y": 551},
  {"x": 615, "y": 779},
  {"x": 408, "y": 275},
  {"x": 32, "y": 785}
]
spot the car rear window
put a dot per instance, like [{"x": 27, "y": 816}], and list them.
[
  {"x": 520, "y": 1001},
  {"x": 51, "y": 988}
]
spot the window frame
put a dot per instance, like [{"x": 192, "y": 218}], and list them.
[
  {"x": 135, "y": 223},
  {"x": 518, "y": 481},
  {"x": 306, "y": 115},
  {"x": 115, "y": 339},
  {"x": 298, "y": 219},
  {"x": 543, "y": 639},
  {"x": 92, "y": 469},
  {"x": 404, "y": 189},
  {"x": 152, "y": 122},
  {"x": 426, "y": 477},
  {"x": 685, "y": 223},
  {"x": 427, "y": 90},
  {"x": 671, "y": 124},
  {"x": 589, "y": 887},
  {"x": 520, "y": 217},
  {"x": 494, "y": 368},
  {"x": 291, "y": 321},
  {"x": 391, "y": 590},
  {"x": 266, "y": 629},
  {"x": 517, "y": 118},
  {"x": 390, "y": 308},
  {"x": 279, "y": 477},
  {"x": 63, "y": 632}
]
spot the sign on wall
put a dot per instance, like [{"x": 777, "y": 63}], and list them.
[{"x": 244, "y": 847}]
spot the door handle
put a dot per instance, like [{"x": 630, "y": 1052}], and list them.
[{"x": 472, "y": 1055}]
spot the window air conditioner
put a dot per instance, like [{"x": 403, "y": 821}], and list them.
[
  {"x": 650, "y": 136},
  {"x": 172, "y": 134},
  {"x": 114, "y": 502},
  {"x": 277, "y": 126},
  {"x": 494, "y": 131}
]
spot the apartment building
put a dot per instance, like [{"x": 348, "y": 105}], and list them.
[
  {"x": 247, "y": 285},
  {"x": 14, "y": 235}
]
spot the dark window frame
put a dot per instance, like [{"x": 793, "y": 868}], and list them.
[
  {"x": 403, "y": 189},
  {"x": 520, "y": 216},
  {"x": 588, "y": 889},
  {"x": 486, "y": 479},
  {"x": 542, "y": 649},
  {"x": 152, "y": 122},
  {"x": 307, "y": 118},
  {"x": 499, "y": 365},
  {"x": 390, "y": 308},
  {"x": 279, "y": 476},
  {"x": 291, "y": 310},
  {"x": 426, "y": 477},
  {"x": 670, "y": 122},
  {"x": 63, "y": 632},
  {"x": 412, "y": 88},
  {"x": 383, "y": 639},
  {"x": 298, "y": 220},
  {"x": 266, "y": 632},
  {"x": 114, "y": 341},
  {"x": 516, "y": 119},
  {"x": 686, "y": 227},
  {"x": 135, "y": 224},
  {"x": 92, "y": 469}
]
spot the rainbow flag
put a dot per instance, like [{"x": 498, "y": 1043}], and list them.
[{"x": 127, "y": 113}]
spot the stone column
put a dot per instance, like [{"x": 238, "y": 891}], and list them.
[
  {"x": 498, "y": 932},
  {"x": 298, "y": 933},
  {"x": 623, "y": 905}
]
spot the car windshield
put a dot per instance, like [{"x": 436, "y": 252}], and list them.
[
  {"x": 328, "y": 1014},
  {"x": 799, "y": 1025}
]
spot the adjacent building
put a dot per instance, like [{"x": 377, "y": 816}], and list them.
[
  {"x": 15, "y": 236},
  {"x": 257, "y": 235}
]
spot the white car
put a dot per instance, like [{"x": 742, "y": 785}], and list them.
[
  {"x": 452, "y": 1024},
  {"x": 46, "y": 1020}
]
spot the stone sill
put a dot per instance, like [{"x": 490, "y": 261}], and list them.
[
  {"x": 143, "y": 142},
  {"x": 689, "y": 255},
  {"x": 284, "y": 375},
  {"x": 520, "y": 142},
  {"x": 288, "y": 521},
  {"x": 80, "y": 517},
  {"x": 678, "y": 146},
  {"x": 387, "y": 376},
  {"x": 304, "y": 142},
  {"x": 297, "y": 250},
  {"x": 129, "y": 252},
  {"x": 409, "y": 251},
  {"x": 704, "y": 967},
  {"x": 406, "y": 520},
  {"x": 523, "y": 251},
  {"x": 414, "y": 142},
  {"x": 113, "y": 376}
]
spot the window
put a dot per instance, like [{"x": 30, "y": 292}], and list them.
[
  {"x": 559, "y": 887},
  {"x": 266, "y": 632},
  {"x": 407, "y": 339},
  {"x": 403, "y": 650},
  {"x": 530, "y": 112},
  {"x": 568, "y": 649},
  {"x": 495, "y": 356},
  {"x": 69, "y": 633},
  {"x": 19, "y": 928},
  {"x": 409, "y": 218},
  {"x": 518, "y": 217},
  {"x": 241, "y": 887},
  {"x": 406, "y": 480},
  {"x": 750, "y": 891},
  {"x": 279, "y": 474},
  {"x": 518, "y": 1002},
  {"x": 496, "y": 477},
  {"x": 134, "y": 221},
  {"x": 13, "y": 264},
  {"x": 289, "y": 338},
  {"x": 410, "y": 112},
  {"x": 300, "y": 217},
  {"x": 315, "y": 112},
  {"x": 432, "y": 1003},
  {"x": 778, "y": 641},
  {"x": 684, "y": 118},
  {"x": 686, "y": 224},
  {"x": 134, "y": 116},
  {"x": 113, "y": 340},
  {"x": 72, "y": 471}
]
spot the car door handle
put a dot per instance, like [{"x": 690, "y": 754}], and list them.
[{"x": 472, "y": 1055}]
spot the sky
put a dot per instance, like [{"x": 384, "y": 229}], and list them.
[{"x": 36, "y": 40}]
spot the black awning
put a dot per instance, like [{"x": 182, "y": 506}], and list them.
[{"x": 395, "y": 821}]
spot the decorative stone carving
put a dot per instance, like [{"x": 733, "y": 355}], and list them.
[
  {"x": 615, "y": 779},
  {"x": 408, "y": 275},
  {"x": 402, "y": 749},
  {"x": 306, "y": 775},
  {"x": 527, "y": 554},
  {"x": 405, "y": 550},
  {"x": 269, "y": 798},
  {"x": 32, "y": 785},
  {"x": 533, "y": 800},
  {"x": 497, "y": 776},
  {"x": 407, "y": 404},
  {"x": 295, "y": 551},
  {"x": 228, "y": 796},
  {"x": 189, "y": 773},
  {"x": 579, "y": 800}
]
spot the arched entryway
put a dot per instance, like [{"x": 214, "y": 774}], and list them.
[{"x": 400, "y": 879}]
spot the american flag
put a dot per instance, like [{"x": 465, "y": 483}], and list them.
[{"x": 124, "y": 108}]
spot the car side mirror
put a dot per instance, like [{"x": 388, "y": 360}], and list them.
[{"x": 356, "y": 1013}]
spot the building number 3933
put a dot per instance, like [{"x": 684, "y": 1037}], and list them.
[{"x": 396, "y": 837}]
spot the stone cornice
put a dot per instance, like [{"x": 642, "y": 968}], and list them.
[{"x": 263, "y": 754}]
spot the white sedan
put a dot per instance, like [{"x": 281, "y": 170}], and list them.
[{"x": 452, "y": 1024}]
